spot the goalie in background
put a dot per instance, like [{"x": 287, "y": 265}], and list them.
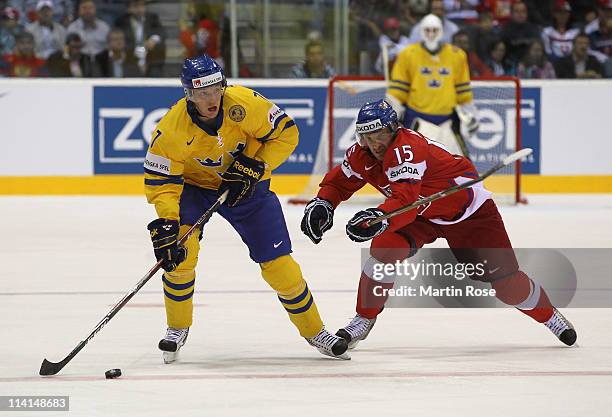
[{"x": 430, "y": 89}]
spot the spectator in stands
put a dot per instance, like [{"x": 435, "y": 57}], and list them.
[
  {"x": 501, "y": 10},
  {"x": 71, "y": 62},
  {"x": 23, "y": 62},
  {"x": 49, "y": 36},
  {"x": 449, "y": 28},
  {"x": 314, "y": 65},
  {"x": 558, "y": 38},
  {"x": 200, "y": 34},
  {"x": 584, "y": 11},
  {"x": 145, "y": 35},
  {"x": 116, "y": 61},
  {"x": 579, "y": 64},
  {"x": 604, "y": 11},
  {"x": 368, "y": 17},
  {"x": 393, "y": 40},
  {"x": 498, "y": 62},
  {"x": 461, "y": 10},
  {"x": 518, "y": 33},
  {"x": 62, "y": 11},
  {"x": 477, "y": 68},
  {"x": 9, "y": 29},
  {"x": 601, "y": 38},
  {"x": 92, "y": 31},
  {"x": 483, "y": 34},
  {"x": 535, "y": 64},
  {"x": 407, "y": 18},
  {"x": 539, "y": 11}
]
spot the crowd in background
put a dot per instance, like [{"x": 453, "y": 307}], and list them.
[{"x": 526, "y": 38}]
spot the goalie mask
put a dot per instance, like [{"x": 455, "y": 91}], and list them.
[{"x": 431, "y": 32}]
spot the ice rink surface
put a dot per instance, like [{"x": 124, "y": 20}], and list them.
[{"x": 67, "y": 260}]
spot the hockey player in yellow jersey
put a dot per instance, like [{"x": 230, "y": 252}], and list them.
[
  {"x": 224, "y": 138},
  {"x": 430, "y": 89}
]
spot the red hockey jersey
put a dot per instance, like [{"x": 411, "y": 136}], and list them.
[{"x": 413, "y": 167}]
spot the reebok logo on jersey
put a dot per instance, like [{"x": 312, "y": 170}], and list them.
[{"x": 369, "y": 126}]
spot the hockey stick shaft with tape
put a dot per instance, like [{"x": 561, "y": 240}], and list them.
[
  {"x": 510, "y": 159},
  {"x": 52, "y": 368}
]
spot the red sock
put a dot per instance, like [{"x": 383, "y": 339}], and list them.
[
  {"x": 527, "y": 296},
  {"x": 369, "y": 305}
]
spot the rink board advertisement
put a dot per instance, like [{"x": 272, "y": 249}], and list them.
[
  {"x": 125, "y": 116},
  {"x": 78, "y": 128}
]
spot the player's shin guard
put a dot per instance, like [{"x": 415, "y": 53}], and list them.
[
  {"x": 283, "y": 274},
  {"x": 529, "y": 297},
  {"x": 179, "y": 286}
]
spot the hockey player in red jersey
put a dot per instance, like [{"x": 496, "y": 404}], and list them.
[{"x": 404, "y": 165}]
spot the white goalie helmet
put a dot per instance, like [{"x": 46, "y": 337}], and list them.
[{"x": 431, "y": 32}]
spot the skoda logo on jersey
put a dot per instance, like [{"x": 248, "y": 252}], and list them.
[
  {"x": 208, "y": 80},
  {"x": 369, "y": 126},
  {"x": 434, "y": 83}
]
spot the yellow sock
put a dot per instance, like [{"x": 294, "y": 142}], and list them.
[{"x": 283, "y": 274}]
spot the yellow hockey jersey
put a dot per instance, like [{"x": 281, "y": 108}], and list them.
[
  {"x": 431, "y": 84},
  {"x": 185, "y": 150}
]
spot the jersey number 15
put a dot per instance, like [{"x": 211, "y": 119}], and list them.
[{"x": 405, "y": 155}]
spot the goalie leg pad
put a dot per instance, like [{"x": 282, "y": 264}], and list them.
[
  {"x": 179, "y": 285},
  {"x": 284, "y": 275}
]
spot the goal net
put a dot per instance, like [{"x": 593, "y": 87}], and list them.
[{"x": 498, "y": 103}]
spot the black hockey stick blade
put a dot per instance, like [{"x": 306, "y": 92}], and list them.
[
  {"x": 510, "y": 159},
  {"x": 51, "y": 368}
]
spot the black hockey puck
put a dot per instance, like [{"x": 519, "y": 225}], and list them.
[{"x": 112, "y": 373}]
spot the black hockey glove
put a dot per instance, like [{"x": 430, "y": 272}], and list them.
[
  {"x": 357, "y": 230},
  {"x": 240, "y": 179},
  {"x": 318, "y": 219},
  {"x": 164, "y": 234}
]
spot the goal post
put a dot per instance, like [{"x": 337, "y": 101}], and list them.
[{"x": 498, "y": 100}]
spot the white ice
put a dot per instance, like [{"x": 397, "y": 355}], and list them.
[{"x": 65, "y": 261}]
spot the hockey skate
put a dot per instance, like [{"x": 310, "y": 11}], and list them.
[
  {"x": 172, "y": 343},
  {"x": 562, "y": 328},
  {"x": 356, "y": 331},
  {"x": 330, "y": 345}
]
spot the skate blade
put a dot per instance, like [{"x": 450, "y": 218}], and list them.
[
  {"x": 170, "y": 357},
  {"x": 345, "y": 356}
]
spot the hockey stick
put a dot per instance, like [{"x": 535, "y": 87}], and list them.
[
  {"x": 52, "y": 368},
  {"x": 451, "y": 190}
]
